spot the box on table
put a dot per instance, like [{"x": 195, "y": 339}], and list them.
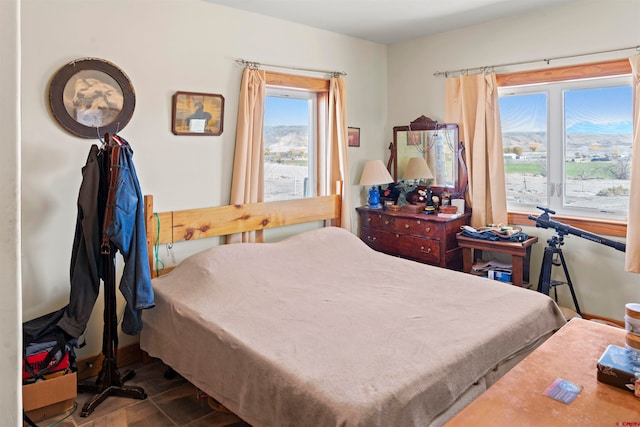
[
  {"x": 616, "y": 367},
  {"x": 414, "y": 209},
  {"x": 44, "y": 399}
]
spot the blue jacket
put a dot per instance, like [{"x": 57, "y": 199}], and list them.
[{"x": 127, "y": 233}]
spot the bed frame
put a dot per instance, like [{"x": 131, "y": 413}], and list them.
[{"x": 191, "y": 224}]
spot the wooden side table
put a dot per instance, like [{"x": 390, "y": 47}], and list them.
[
  {"x": 520, "y": 254},
  {"x": 572, "y": 353}
]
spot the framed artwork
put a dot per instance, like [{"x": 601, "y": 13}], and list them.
[
  {"x": 354, "y": 137},
  {"x": 197, "y": 113},
  {"x": 90, "y": 97}
]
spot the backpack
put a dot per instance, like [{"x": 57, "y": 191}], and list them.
[{"x": 45, "y": 347}]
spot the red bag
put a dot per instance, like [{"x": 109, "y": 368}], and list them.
[{"x": 33, "y": 364}]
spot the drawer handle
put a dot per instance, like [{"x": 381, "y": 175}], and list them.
[
  {"x": 427, "y": 251},
  {"x": 369, "y": 219},
  {"x": 427, "y": 230},
  {"x": 407, "y": 226},
  {"x": 371, "y": 239},
  {"x": 386, "y": 222}
]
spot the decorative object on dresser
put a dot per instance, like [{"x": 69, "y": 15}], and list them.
[
  {"x": 423, "y": 238},
  {"x": 375, "y": 174}
]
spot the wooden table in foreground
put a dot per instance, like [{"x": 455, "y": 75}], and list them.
[
  {"x": 520, "y": 255},
  {"x": 572, "y": 353}
]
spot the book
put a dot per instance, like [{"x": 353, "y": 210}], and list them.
[{"x": 449, "y": 215}]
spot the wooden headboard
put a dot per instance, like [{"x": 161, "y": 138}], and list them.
[{"x": 190, "y": 224}]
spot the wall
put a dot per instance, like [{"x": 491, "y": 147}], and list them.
[
  {"x": 164, "y": 47},
  {"x": 10, "y": 308},
  {"x": 584, "y": 26}
]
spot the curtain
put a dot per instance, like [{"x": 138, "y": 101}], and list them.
[
  {"x": 248, "y": 169},
  {"x": 632, "y": 256},
  {"x": 472, "y": 103},
  {"x": 337, "y": 164}
]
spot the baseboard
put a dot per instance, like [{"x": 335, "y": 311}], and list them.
[
  {"x": 606, "y": 319},
  {"x": 91, "y": 366}
]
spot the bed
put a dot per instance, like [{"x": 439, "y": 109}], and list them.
[{"x": 320, "y": 330}]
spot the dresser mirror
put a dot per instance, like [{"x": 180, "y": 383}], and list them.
[{"x": 439, "y": 145}]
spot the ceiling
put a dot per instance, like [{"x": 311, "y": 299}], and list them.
[{"x": 389, "y": 21}]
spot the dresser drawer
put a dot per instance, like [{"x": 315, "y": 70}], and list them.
[
  {"x": 405, "y": 246},
  {"x": 418, "y": 248},
  {"x": 377, "y": 239},
  {"x": 418, "y": 227},
  {"x": 423, "y": 238},
  {"x": 379, "y": 222}
]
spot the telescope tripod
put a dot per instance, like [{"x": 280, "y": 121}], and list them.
[{"x": 545, "y": 283}]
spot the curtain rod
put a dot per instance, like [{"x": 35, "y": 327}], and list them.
[
  {"x": 253, "y": 64},
  {"x": 547, "y": 60}
]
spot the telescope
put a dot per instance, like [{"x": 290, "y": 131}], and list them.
[{"x": 544, "y": 221}]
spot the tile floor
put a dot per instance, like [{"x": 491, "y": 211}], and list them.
[{"x": 170, "y": 402}]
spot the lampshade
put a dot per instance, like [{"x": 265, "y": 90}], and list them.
[
  {"x": 375, "y": 173},
  {"x": 417, "y": 168}
]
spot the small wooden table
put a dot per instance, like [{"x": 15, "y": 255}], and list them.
[
  {"x": 572, "y": 353},
  {"x": 520, "y": 254}
]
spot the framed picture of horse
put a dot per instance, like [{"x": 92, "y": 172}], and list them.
[{"x": 197, "y": 113}]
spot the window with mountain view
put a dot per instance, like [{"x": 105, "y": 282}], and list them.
[
  {"x": 567, "y": 145},
  {"x": 289, "y": 141}
]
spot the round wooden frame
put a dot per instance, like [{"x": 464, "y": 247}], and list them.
[{"x": 60, "y": 110}]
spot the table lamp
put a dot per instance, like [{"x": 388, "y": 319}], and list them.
[
  {"x": 417, "y": 170},
  {"x": 374, "y": 174}
]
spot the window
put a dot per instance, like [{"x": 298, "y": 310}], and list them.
[
  {"x": 293, "y": 120},
  {"x": 289, "y": 144},
  {"x": 567, "y": 145}
]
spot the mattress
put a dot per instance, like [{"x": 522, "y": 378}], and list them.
[{"x": 320, "y": 330}]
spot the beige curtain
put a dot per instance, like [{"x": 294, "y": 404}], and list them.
[
  {"x": 632, "y": 256},
  {"x": 248, "y": 169},
  {"x": 336, "y": 144},
  {"x": 472, "y": 103}
]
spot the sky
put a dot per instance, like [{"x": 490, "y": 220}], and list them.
[
  {"x": 285, "y": 111},
  {"x": 595, "y": 110}
]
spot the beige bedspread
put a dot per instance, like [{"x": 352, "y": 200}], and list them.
[{"x": 320, "y": 330}]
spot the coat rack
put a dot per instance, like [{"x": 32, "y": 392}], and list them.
[{"x": 109, "y": 382}]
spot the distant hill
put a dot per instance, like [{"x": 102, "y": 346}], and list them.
[
  {"x": 587, "y": 144},
  {"x": 285, "y": 138}
]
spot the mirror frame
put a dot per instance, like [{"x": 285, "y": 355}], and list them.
[{"x": 425, "y": 123}]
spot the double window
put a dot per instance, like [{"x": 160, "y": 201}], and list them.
[{"x": 567, "y": 145}]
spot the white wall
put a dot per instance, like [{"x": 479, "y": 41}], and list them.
[
  {"x": 170, "y": 45},
  {"x": 163, "y": 46},
  {"x": 579, "y": 27},
  {"x": 10, "y": 308}
]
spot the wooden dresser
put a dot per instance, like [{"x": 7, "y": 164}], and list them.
[{"x": 424, "y": 238}]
